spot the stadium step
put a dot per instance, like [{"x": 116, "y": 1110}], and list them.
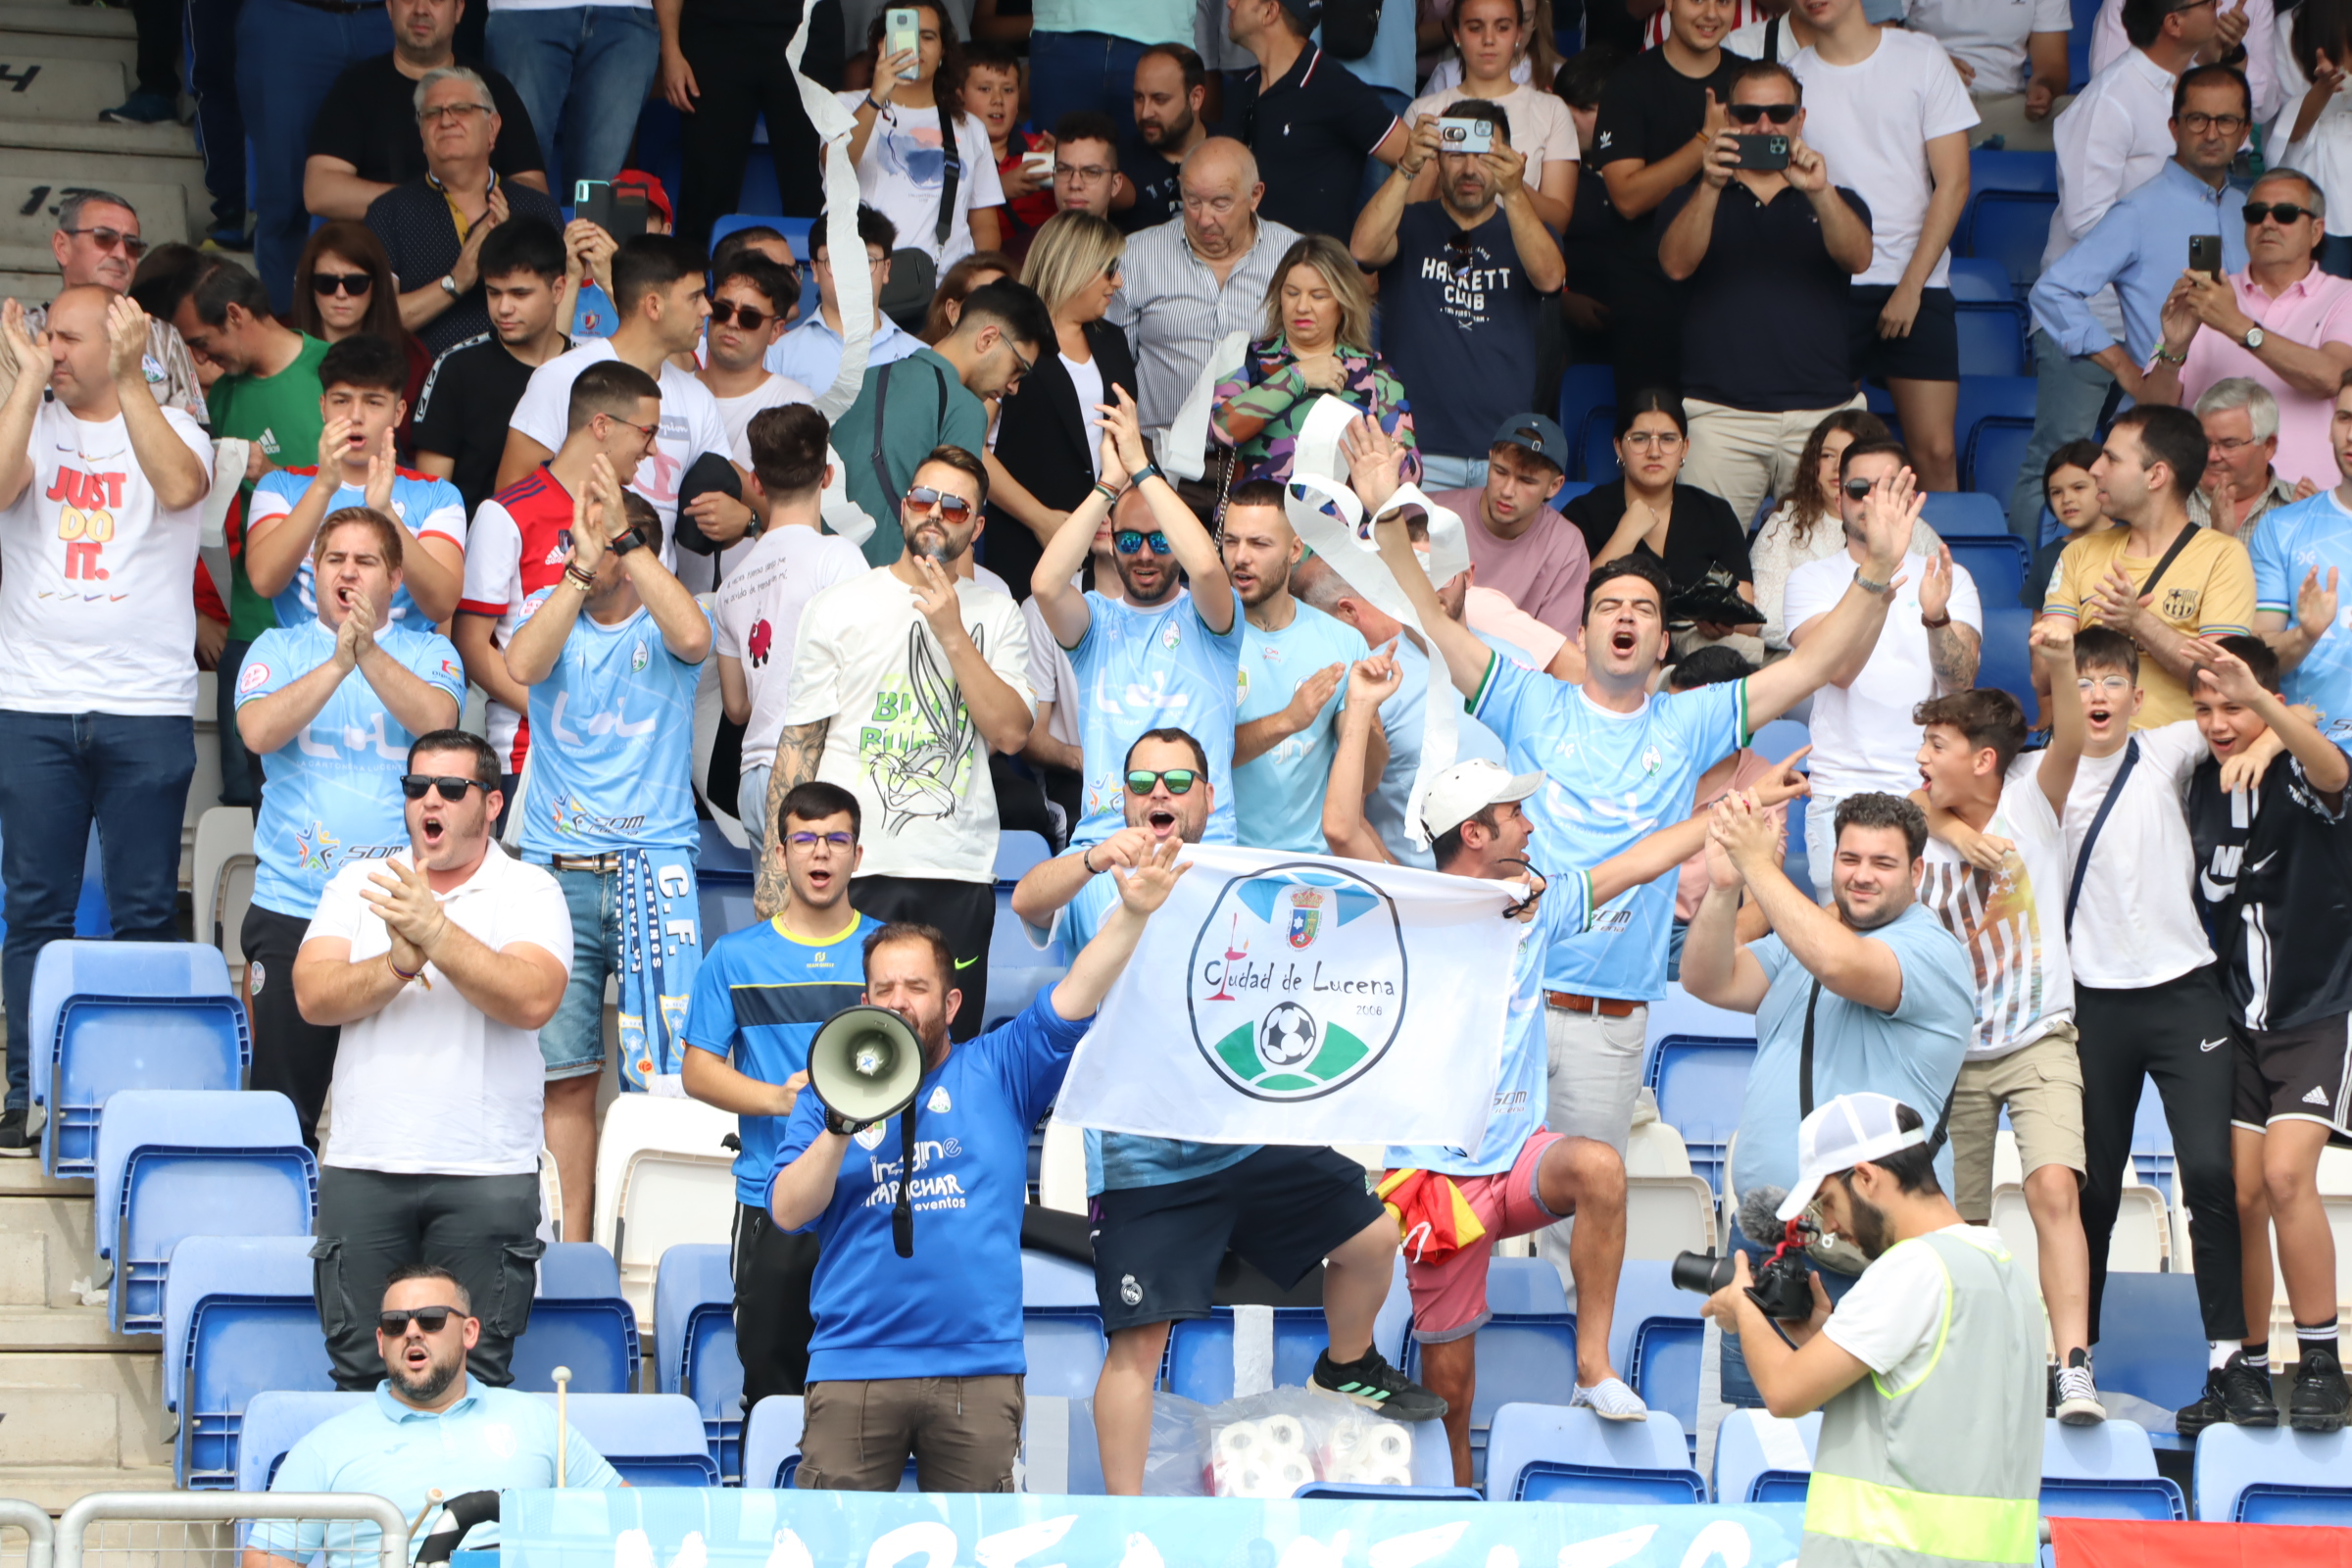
[
  {"x": 69, "y": 33},
  {"x": 46, "y": 1240}
]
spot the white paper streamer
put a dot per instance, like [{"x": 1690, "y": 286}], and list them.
[
  {"x": 1252, "y": 1350},
  {"x": 854, "y": 286},
  {"x": 843, "y": 515},
  {"x": 1185, "y": 443}
]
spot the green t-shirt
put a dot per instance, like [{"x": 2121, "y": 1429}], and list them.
[
  {"x": 279, "y": 413},
  {"x": 927, "y": 407}
]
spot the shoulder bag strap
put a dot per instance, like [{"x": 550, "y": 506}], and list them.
[
  {"x": 881, "y": 410},
  {"x": 2180, "y": 544},
  {"x": 2074, "y": 889},
  {"x": 1804, "y": 1077},
  {"x": 952, "y": 175},
  {"x": 1772, "y": 41}
]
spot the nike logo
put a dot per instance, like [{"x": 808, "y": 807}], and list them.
[
  {"x": 2317, "y": 1097},
  {"x": 965, "y": 963},
  {"x": 2210, "y": 1045}
]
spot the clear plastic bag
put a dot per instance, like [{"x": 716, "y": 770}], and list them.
[{"x": 1270, "y": 1445}]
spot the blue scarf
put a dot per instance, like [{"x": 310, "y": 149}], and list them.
[{"x": 660, "y": 949}]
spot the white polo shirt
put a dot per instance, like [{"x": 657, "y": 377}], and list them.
[{"x": 431, "y": 1085}]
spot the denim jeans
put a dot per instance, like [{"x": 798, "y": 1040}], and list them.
[
  {"x": 572, "y": 1044},
  {"x": 1739, "y": 1388},
  {"x": 211, "y": 42},
  {"x": 60, "y": 772},
  {"x": 288, "y": 57},
  {"x": 1070, "y": 70},
  {"x": 750, "y": 805},
  {"x": 582, "y": 71},
  {"x": 2069, "y": 396}
]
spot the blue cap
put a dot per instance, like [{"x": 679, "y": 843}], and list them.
[{"x": 1533, "y": 432}]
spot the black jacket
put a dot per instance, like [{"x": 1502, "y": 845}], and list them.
[{"x": 1047, "y": 442}]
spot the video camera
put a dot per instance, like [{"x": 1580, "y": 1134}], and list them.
[{"x": 1780, "y": 1288}]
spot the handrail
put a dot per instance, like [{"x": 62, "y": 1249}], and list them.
[
  {"x": 223, "y": 1507},
  {"x": 34, "y": 1521}
]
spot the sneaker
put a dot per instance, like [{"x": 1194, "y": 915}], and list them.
[
  {"x": 2236, "y": 1394},
  {"x": 16, "y": 1142},
  {"x": 1611, "y": 1400},
  {"x": 143, "y": 109},
  {"x": 1373, "y": 1382},
  {"x": 2320, "y": 1397},
  {"x": 2078, "y": 1396}
]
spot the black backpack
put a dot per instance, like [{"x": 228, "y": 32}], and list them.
[{"x": 1350, "y": 28}]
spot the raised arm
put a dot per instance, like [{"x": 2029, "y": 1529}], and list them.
[
  {"x": 1059, "y": 600},
  {"x": 2221, "y": 673},
  {"x": 2315, "y": 614},
  {"x": 1635, "y": 188},
  {"x": 1373, "y": 243},
  {"x": 276, "y": 546},
  {"x": 1097, "y": 964},
  {"x": 2053, "y": 642},
  {"x": 1346, "y": 829},
  {"x": 26, "y": 362},
  {"x": 1538, "y": 252},
  {"x": 1716, "y": 968},
  {"x": 538, "y": 643},
  {"x": 1372, "y": 467},
  {"x": 1844, "y": 961},
  {"x": 1668, "y": 846},
  {"x": 177, "y": 476},
  {"x": 1047, "y": 887},
  {"x": 1836, "y": 646},
  {"x": 1685, "y": 243},
  {"x": 1196, "y": 552}
]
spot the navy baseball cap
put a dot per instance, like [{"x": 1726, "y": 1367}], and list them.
[{"x": 1533, "y": 432}]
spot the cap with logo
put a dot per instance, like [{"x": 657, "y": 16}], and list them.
[
  {"x": 1466, "y": 789},
  {"x": 1535, "y": 433},
  {"x": 1840, "y": 1135}
]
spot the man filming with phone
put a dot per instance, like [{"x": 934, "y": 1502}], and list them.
[
  {"x": 1769, "y": 247},
  {"x": 1943, "y": 1334}
]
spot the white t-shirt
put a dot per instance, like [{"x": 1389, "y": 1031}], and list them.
[
  {"x": 735, "y": 418},
  {"x": 690, "y": 426},
  {"x": 96, "y": 609},
  {"x": 1087, "y": 380},
  {"x": 1748, "y": 40},
  {"x": 1872, "y": 120},
  {"x": 1892, "y": 1320},
  {"x": 2012, "y": 921},
  {"x": 430, "y": 1085},
  {"x": 903, "y": 170},
  {"x": 759, "y": 607},
  {"x": 1989, "y": 34},
  {"x": 901, "y": 737},
  {"x": 1863, "y": 737},
  {"x": 1050, "y": 677},
  {"x": 2136, "y": 922},
  {"x": 1541, "y": 129}
]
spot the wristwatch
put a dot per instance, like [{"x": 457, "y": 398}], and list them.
[
  {"x": 1938, "y": 624},
  {"x": 2253, "y": 340},
  {"x": 448, "y": 285},
  {"x": 624, "y": 542}
]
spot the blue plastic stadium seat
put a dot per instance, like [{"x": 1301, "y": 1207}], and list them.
[
  {"x": 1584, "y": 388},
  {"x": 1970, "y": 516},
  {"x": 1760, "y": 1458},
  {"x": 2005, "y": 661},
  {"x": 1527, "y": 1350},
  {"x": 1595, "y": 446},
  {"x": 2152, "y": 1339},
  {"x": 1997, "y": 169},
  {"x": 1978, "y": 281},
  {"x": 178, "y": 1162},
  {"x": 1986, "y": 396},
  {"x": 1018, "y": 969},
  {"x": 694, "y": 1343},
  {"x": 1549, "y": 1452},
  {"x": 1994, "y": 455},
  {"x": 654, "y": 1439},
  {"x": 1700, "y": 1084},
  {"x": 580, "y": 1321},
  {"x": 771, "y": 1445},
  {"x": 1993, "y": 338},
  {"x": 1017, "y": 850},
  {"x": 1359, "y": 1491},
  {"x": 1062, "y": 1326},
  {"x": 1997, "y": 560},
  {"x": 2106, "y": 1471},
  {"x": 107, "y": 1016},
  {"x": 2012, "y": 227},
  {"x": 276, "y": 1420},
  {"x": 2272, "y": 1476},
  {"x": 1201, "y": 1352},
  {"x": 1655, "y": 1341},
  {"x": 2152, "y": 1141},
  {"x": 238, "y": 1318}
]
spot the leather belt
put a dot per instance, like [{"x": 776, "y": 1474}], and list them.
[
  {"x": 1601, "y": 1006},
  {"x": 586, "y": 862}
]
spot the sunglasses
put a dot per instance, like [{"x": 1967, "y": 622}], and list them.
[
  {"x": 1859, "y": 489},
  {"x": 413, "y": 786},
  {"x": 951, "y": 508},
  {"x": 807, "y": 840},
  {"x": 1128, "y": 540},
  {"x": 355, "y": 285},
  {"x": 1180, "y": 780},
  {"x": 432, "y": 1319},
  {"x": 750, "y": 318},
  {"x": 1750, "y": 114},
  {"x": 107, "y": 238},
  {"x": 2286, "y": 212}
]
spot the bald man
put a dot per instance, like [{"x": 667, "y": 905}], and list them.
[{"x": 1204, "y": 274}]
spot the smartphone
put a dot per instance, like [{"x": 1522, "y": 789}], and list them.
[
  {"x": 592, "y": 199},
  {"x": 1465, "y": 135},
  {"x": 1763, "y": 152},
  {"x": 902, "y": 30},
  {"x": 2205, "y": 254},
  {"x": 1039, "y": 164}
]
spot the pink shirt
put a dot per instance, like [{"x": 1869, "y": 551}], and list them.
[
  {"x": 2316, "y": 310},
  {"x": 1690, "y": 883},
  {"x": 1491, "y": 613},
  {"x": 1543, "y": 572}
]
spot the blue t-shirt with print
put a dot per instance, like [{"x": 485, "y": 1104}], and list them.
[
  {"x": 618, "y": 709},
  {"x": 2288, "y": 543},
  {"x": 1913, "y": 1052},
  {"x": 333, "y": 793},
  {"x": 1609, "y": 781},
  {"x": 1141, "y": 670},
  {"x": 420, "y": 503},
  {"x": 760, "y": 997},
  {"x": 953, "y": 1310},
  {"x": 1278, "y": 794}
]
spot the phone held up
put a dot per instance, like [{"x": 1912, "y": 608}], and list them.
[
  {"x": 617, "y": 214},
  {"x": 2205, "y": 254},
  {"x": 901, "y": 34},
  {"x": 1465, "y": 135},
  {"x": 1764, "y": 153}
]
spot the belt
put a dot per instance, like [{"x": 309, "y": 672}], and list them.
[
  {"x": 1601, "y": 1006},
  {"x": 572, "y": 862}
]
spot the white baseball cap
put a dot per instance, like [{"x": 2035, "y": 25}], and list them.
[
  {"x": 1840, "y": 1135},
  {"x": 1466, "y": 789}
]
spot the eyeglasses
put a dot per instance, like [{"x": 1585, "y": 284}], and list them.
[
  {"x": 2286, "y": 212},
  {"x": 107, "y": 238},
  {"x": 808, "y": 840},
  {"x": 750, "y": 318},
  {"x": 1180, "y": 780},
  {"x": 445, "y": 114},
  {"x": 356, "y": 285},
  {"x": 1128, "y": 540},
  {"x": 1090, "y": 173},
  {"x": 1660, "y": 440},
  {"x": 2196, "y": 123},
  {"x": 2105, "y": 683},
  {"x": 1026, "y": 366},
  {"x": 432, "y": 1319},
  {"x": 1750, "y": 114},
  {"x": 413, "y": 786},
  {"x": 1859, "y": 489},
  {"x": 648, "y": 431},
  {"x": 952, "y": 508},
  {"x": 2231, "y": 445}
]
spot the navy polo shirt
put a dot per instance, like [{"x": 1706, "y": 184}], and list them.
[
  {"x": 1311, "y": 132},
  {"x": 1765, "y": 328}
]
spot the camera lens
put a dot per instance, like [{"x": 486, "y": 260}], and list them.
[{"x": 1703, "y": 1273}]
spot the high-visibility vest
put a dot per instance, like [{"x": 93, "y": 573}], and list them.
[{"x": 1945, "y": 1469}]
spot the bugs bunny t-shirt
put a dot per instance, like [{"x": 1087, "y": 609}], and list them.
[{"x": 899, "y": 735}]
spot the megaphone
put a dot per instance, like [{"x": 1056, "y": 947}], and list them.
[{"x": 865, "y": 1065}]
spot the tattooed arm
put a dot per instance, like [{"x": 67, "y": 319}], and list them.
[
  {"x": 1953, "y": 653},
  {"x": 796, "y": 753}
]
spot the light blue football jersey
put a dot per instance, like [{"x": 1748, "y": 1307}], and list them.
[
  {"x": 1141, "y": 670},
  {"x": 611, "y": 742}
]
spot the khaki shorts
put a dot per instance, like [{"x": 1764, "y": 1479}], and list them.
[
  {"x": 962, "y": 1434},
  {"x": 2042, "y": 1087}
]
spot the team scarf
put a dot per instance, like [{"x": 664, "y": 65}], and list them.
[{"x": 661, "y": 950}]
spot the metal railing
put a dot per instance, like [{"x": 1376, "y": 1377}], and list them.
[
  {"x": 40, "y": 1535},
  {"x": 199, "y": 1529}
]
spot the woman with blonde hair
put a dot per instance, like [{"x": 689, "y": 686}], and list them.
[
  {"x": 1808, "y": 525},
  {"x": 1049, "y": 451},
  {"x": 1316, "y": 339}
]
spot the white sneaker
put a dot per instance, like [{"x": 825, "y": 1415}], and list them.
[
  {"x": 1611, "y": 1400},
  {"x": 2078, "y": 1396}
]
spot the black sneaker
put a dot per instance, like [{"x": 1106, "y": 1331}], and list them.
[
  {"x": 1373, "y": 1382},
  {"x": 2320, "y": 1397},
  {"x": 14, "y": 1141},
  {"x": 2235, "y": 1392}
]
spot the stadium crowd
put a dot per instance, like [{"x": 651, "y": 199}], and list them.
[{"x": 453, "y": 439}]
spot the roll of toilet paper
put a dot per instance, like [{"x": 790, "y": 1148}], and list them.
[
  {"x": 1238, "y": 1442},
  {"x": 1283, "y": 1434},
  {"x": 1291, "y": 1472},
  {"x": 1387, "y": 1443}
]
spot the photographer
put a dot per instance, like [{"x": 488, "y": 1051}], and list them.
[{"x": 1945, "y": 1327}]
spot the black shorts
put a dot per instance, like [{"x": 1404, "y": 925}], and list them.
[
  {"x": 1283, "y": 1209},
  {"x": 1929, "y": 353},
  {"x": 964, "y": 912},
  {"x": 2298, "y": 1074}
]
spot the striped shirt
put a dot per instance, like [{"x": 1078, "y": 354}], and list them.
[{"x": 1173, "y": 309}]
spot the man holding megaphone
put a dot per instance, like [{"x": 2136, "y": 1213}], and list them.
[{"x": 917, "y": 1298}]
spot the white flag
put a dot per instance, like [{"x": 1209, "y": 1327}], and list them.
[{"x": 1289, "y": 998}]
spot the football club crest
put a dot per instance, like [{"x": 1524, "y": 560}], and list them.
[
  {"x": 1306, "y": 912},
  {"x": 640, "y": 658}
]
